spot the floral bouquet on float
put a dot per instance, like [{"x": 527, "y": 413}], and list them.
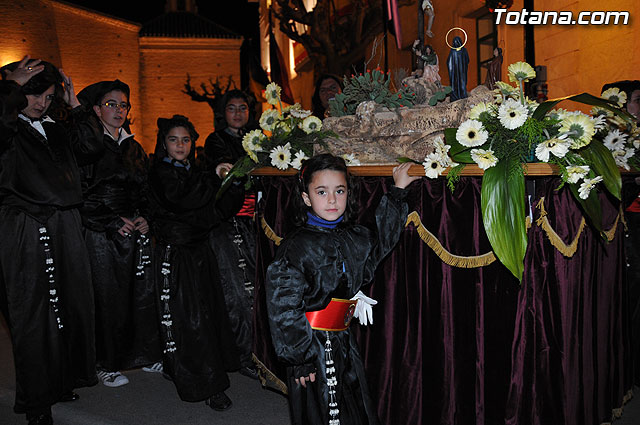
[
  {"x": 286, "y": 138},
  {"x": 502, "y": 136}
]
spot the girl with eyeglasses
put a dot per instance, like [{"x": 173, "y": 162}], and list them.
[{"x": 114, "y": 186}]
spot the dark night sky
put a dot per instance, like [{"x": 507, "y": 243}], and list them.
[{"x": 239, "y": 16}]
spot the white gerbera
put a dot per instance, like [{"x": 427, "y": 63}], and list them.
[
  {"x": 281, "y": 156},
  {"x": 622, "y": 156},
  {"x": 300, "y": 113},
  {"x": 587, "y": 185},
  {"x": 615, "y": 95},
  {"x": 478, "y": 109},
  {"x": 432, "y": 166},
  {"x": 557, "y": 147},
  {"x": 350, "y": 159},
  {"x": 442, "y": 150},
  {"x": 576, "y": 172},
  {"x": 484, "y": 158},
  {"x": 599, "y": 122},
  {"x": 615, "y": 140},
  {"x": 272, "y": 93},
  {"x": 297, "y": 160},
  {"x": 521, "y": 71},
  {"x": 512, "y": 114},
  {"x": 311, "y": 124},
  {"x": 251, "y": 143},
  {"x": 471, "y": 133},
  {"x": 269, "y": 119},
  {"x": 580, "y": 129}
]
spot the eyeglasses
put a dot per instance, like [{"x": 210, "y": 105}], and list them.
[
  {"x": 233, "y": 109},
  {"x": 115, "y": 105}
]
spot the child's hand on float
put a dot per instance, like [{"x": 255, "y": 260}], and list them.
[{"x": 401, "y": 177}]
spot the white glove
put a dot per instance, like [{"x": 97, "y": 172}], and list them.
[{"x": 364, "y": 309}]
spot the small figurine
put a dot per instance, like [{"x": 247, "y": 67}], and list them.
[
  {"x": 458, "y": 64},
  {"x": 427, "y": 8},
  {"x": 494, "y": 69},
  {"x": 431, "y": 66}
]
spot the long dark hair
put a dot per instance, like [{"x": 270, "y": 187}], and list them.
[
  {"x": 311, "y": 166},
  {"x": 164, "y": 127},
  {"x": 39, "y": 83},
  {"x": 316, "y": 104}
]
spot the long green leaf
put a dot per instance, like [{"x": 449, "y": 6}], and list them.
[
  {"x": 503, "y": 215},
  {"x": 241, "y": 168},
  {"x": 597, "y": 154},
  {"x": 587, "y": 99},
  {"x": 590, "y": 207}
]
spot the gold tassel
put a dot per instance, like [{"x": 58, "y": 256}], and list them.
[
  {"x": 442, "y": 253},
  {"x": 269, "y": 233},
  {"x": 269, "y": 375},
  {"x": 611, "y": 233}
]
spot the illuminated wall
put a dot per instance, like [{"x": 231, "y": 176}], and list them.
[{"x": 91, "y": 46}]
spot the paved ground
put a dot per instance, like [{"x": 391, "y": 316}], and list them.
[
  {"x": 151, "y": 399},
  {"x": 147, "y": 399}
]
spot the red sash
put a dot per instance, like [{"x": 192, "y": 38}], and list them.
[{"x": 334, "y": 317}]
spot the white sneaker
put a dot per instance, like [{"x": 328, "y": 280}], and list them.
[
  {"x": 112, "y": 379},
  {"x": 154, "y": 368}
]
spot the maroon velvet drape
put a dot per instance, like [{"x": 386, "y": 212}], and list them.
[{"x": 454, "y": 345}]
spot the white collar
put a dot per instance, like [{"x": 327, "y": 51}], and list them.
[
  {"x": 37, "y": 124},
  {"x": 122, "y": 135}
]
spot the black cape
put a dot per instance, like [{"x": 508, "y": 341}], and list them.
[
  {"x": 197, "y": 340},
  {"x": 312, "y": 266},
  {"x": 458, "y": 65}
]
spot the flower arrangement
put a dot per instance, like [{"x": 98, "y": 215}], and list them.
[
  {"x": 503, "y": 135},
  {"x": 286, "y": 137},
  {"x": 371, "y": 85}
]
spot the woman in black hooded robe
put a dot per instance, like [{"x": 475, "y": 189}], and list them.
[
  {"x": 45, "y": 282},
  {"x": 197, "y": 339},
  {"x": 114, "y": 187},
  {"x": 458, "y": 65}
]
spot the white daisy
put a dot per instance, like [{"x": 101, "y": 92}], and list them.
[
  {"x": 512, "y": 114},
  {"x": 300, "y": 113},
  {"x": 478, "y": 109},
  {"x": 432, "y": 166},
  {"x": 251, "y": 143},
  {"x": 281, "y": 156},
  {"x": 636, "y": 144},
  {"x": 442, "y": 150},
  {"x": 580, "y": 129},
  {"x": 311, "y": 124},
  {"x": 576, "y": 172},
  {"x": 269, "y": 119},
  {"x": 599, "y": 121},
  {"x": 297, "y": 160},
  {"x": 521, "y": 71},
  {"x": 622, "y": 156},
  {"x": 484, "y": 158},
  {"x": 587, "y": 185},
  {"x": 615, "y": 95},
  {"x": 350, "y": 159},
  {"x": 272, "y": 93},
  {"x": 471, "y": 133},
  {"x": 615, "y": 140},
  {"x": 557, "y": 147}
]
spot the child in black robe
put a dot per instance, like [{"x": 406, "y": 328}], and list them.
[
  {"x": 198, "y": 343},
  {"x": 311, "y": 285}
]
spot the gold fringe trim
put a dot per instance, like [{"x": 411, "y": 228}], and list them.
[
  {"x": 440, "y": 251},
  {"x": 265, "y": 374},
  {"x": 617, "y": 413},
  {"x": 269, "y": 233},
  {"x": 558, "y": 243}
]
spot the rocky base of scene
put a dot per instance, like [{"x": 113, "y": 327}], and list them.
[{"x": 376, "y": 135}]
